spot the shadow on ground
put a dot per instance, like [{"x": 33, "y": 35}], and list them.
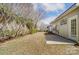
[{"x": 57, "y": 39}]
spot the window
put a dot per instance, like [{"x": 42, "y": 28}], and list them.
[
  {"x": 73, "y": 27},
  {"x": 63, "y": 22}
]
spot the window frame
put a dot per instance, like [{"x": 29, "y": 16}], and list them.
[{"x": 63, "y": 22}]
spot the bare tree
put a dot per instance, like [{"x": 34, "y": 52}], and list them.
[{"x": 27, "y": 11}]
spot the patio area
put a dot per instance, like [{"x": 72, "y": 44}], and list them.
[{"x": 56, "y": 39}]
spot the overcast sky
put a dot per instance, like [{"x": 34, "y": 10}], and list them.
[{"x": 52, "y": 10}]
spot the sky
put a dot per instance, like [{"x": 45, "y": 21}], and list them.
[{"x": 51, "y": 10}]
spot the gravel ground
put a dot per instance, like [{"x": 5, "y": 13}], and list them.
[{"x": 35, "y": 44}]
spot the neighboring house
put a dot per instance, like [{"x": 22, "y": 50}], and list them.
[
  {"x": 42, "y": 27},
  {"x": 67, "y": 24},
  {"x": 49, "y": 28}
]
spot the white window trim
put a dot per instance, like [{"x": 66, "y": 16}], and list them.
[{"x": 73, "y": 17}]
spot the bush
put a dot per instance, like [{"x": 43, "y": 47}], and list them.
[
  {"x": 9, "y": 33},
  {"x": 33, "y": 30},
  {"x": 1, "y": 33}
]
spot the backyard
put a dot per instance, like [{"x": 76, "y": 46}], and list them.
[
  {"x": 24, "y": 30},
  {"x": 35, "y": 44}
]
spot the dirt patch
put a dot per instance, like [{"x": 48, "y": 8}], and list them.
[{"x": 35, "y": 44}]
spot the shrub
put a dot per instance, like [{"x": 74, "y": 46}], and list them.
[
  {"x": 1, "y": 33},
  {"x": 33, "y": 30}
]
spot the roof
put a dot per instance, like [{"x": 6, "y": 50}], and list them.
[{"x": 66, "y": 12}]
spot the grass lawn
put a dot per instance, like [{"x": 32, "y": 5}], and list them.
[{"x": 35, "y": 44}]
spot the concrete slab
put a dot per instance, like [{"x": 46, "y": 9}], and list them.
[
  {"x": 55, "y": 42},
  {"x": 55, "y": 39}
]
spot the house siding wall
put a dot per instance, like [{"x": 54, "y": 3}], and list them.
[
  {"x": 64, "y": 29},
  {"x": 78, "y": 29}
]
